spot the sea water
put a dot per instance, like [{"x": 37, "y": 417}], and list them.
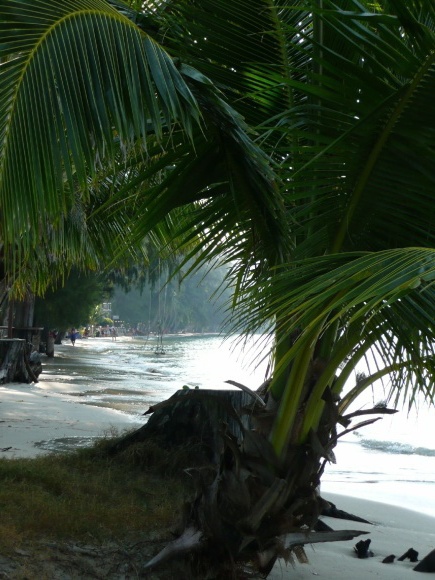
[{"x": 391, "y": 461}]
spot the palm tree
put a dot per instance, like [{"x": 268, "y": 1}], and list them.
[
  {"x": 321, "y": 198},
  {"x": 134, "y": 137},
  {"x": 336, "y": 97}
]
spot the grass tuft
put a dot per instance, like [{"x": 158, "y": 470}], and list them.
[{"x": 88, "y": 494}]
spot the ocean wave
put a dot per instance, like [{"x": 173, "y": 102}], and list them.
[{"x": 396, "y": 448}]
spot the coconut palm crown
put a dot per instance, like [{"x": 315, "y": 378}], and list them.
[{"x": 292, "y": 140}]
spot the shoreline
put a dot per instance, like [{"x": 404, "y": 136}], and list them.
[
  {"x": 33, "y": 421},
  {"x": 48, "y": 416},
  {"x": 29, "y": 417},
  {"x": 52, "y": 415}
]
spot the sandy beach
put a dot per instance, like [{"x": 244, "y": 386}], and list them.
[
  {"x": 43, "y": 418},
  {"x": 393, "y": 532},
  {"x": 34, "y": 421}
]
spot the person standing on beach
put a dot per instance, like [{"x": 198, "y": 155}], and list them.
[{"x": 72, "y": 336}]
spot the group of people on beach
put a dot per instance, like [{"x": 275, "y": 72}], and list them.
[{"x": 111, "y": 331}]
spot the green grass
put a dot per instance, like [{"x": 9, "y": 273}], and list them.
[{"x": 90, "y": 495}]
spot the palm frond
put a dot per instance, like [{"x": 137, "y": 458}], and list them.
[{"x": 74, "y": 76}]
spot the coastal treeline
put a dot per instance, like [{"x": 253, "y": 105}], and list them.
[
  {"x": 197, "y": 304},
  {"x": 72, "y": 303}
]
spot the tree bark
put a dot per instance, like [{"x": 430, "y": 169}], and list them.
[
  {"x": 46, "y": 345},
  {"x": 49, "y": 349},
  {"x": 15, "y": 365},
  {"x": 59, "y": 337},
  {"x": 248, "y": 500},
  {"x": 194, "y": 414}
]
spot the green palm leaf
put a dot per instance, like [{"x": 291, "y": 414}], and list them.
[{"x": 74, "y": 76}]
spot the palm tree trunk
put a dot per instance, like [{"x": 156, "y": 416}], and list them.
[
  {"x": 15, "y": 351},
  {"x": 248, "y": 499}
]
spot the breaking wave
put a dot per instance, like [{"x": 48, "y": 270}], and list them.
[{"x": 396, "y": 448}]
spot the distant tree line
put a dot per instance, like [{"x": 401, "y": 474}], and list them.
[
  {"x": 197, "y": 304},
  {"x": 72, "y": 302}
]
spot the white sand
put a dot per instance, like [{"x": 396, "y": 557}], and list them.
[
  {"x": 31, "y": 414},
  {"x": 394, "y": 531},
  {"x": 31, "y": 417}
]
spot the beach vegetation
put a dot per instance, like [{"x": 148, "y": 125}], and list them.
[
  {"x": 86, "y": 496},
  {"x": 296, "y": 147},
  {"x": 196, "y": 302},
  {"x": 71, "y": 302}
]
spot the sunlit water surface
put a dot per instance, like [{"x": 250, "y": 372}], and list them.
[{"x": 392, "y": 460}]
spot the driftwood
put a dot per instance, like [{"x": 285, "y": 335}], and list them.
[
  {"x": 362, "y": 549},
  {"x": 16, "y": 366},
  {"x": 331, "y": 510},
  {"x": 427, "y": 564}
]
